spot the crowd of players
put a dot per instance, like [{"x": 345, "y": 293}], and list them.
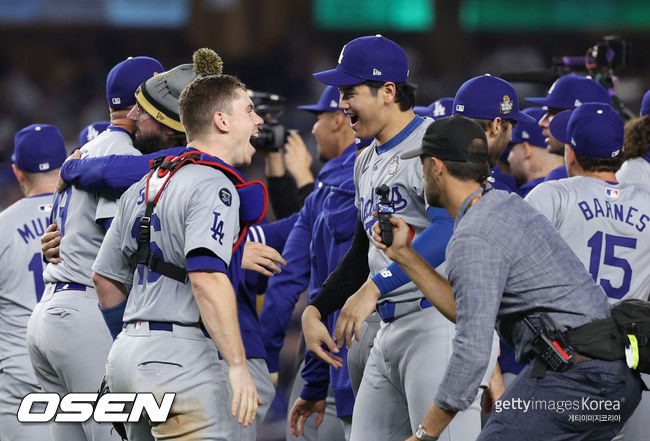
[{"x": 395, "y": 349}]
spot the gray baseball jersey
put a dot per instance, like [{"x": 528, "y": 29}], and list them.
[
  {"x": 382, "y": 165},
  {"x": 199, "y": 209},
  {"x": 607, "y": 225},
  {"x": 78, "y": 215},
  {"x": 635, "y": 171},
  {"x": 21, "y": 278}
]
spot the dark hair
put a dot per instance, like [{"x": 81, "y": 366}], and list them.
[
  {"x": 485, "y": 123},
  {"x": 636, "y": 139},
  {"x": 600, "y": 164},
  {"x": 404, "y": 93},
  {"x": 202, "y": 98},
  {"x": 471, "y": 171}
]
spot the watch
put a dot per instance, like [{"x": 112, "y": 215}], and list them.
[{"x": 422, "y": 435}]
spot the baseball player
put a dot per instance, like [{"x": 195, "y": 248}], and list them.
[
  {"x": 636, "y": 142},
  {"x": 68, "y": 309},
  {"x": 529, "y": 159},
  {"x": 567, "y": 92},
  {"x": 39, "y": 151},
  {"x": 172, "y": 326},
  {"x": 396, "y": 389},
  {"x": 604, "y": 222},
  {"x": 336, "y": 145}
]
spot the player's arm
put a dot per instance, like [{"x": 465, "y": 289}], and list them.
[
  {"x": 112, "y": 174},
  {"x": 347, "y": 277},
  {"x": 430, "y": 245},
  {"x": 215, "y": 298}
]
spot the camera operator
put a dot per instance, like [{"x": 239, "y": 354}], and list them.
[{"x": 513, "y": 267}]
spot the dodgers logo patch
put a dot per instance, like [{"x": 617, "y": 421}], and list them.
[{"x": 225, "y": 196}]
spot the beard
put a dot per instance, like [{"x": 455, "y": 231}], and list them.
[
  {"x": 148, "y": 143},
  {"x": 432, "y": 193},
  {"x": 497, "y": 148}
]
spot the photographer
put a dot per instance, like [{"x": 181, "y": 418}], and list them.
[{"x": 512, "y": 268}]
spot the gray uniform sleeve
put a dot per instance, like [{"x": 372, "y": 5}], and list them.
[
  {"x": 548, "y": 198},
  {"x": 111, "y": 261},
  {"x": 212, "y": 220}
]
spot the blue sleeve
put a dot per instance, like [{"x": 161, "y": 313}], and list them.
[
  {"x": 274, "y": 235},
  {"x": 430, "y": 244},
  {"x": 112, "y": 174},
  {"x": 284, "y": 289},
  {"x": 316, "y": 374}
]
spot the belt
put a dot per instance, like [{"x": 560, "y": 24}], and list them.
[
  {"x": 391, "y": 311},
  {"x": 579, "y": 358},
  {"x": 169, "y": 326},
  {"x": 63, "y": 286}
]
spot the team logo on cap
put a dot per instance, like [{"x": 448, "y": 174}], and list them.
[
  {"x": 341, "y": 54},
  {"x": 506, "y": 105},
  {"x": 439, "y": 109}
]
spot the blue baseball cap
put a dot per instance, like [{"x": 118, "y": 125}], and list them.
[
  {"x": 438, "y": 109},
  {"x": 645, "y": 104},
  {"x": 569, "y": 91},
  {"x": 595, "y": 130},
  {"x": 328, "y": 101},
  {"x": 39, "y": 148},
  {"x": 488, "y": 97},
  {"x": 529, "y": 132},
  {"x": 373, "y": 58},
  {"x": 558, "y": 126},
  {"x": 91, "y": 131},
  {"x": 125, "y": 77}
]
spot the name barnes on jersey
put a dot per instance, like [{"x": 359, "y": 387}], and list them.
[
  {"x": 35, "y": 228},
  {"x": 595, "y": 208}
]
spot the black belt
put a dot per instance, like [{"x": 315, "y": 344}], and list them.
[
  {"x": 64, "y": 286},
  {"x": 169, "y": 326}
]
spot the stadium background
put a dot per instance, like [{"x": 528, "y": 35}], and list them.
[{"x": 55, "y": 55}]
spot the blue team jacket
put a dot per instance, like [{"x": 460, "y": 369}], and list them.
[{"x": 284, "y": 288}]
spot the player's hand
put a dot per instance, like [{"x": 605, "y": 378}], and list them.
[
  {"x": 301, "y": 410},
  {"x": 298, "y": 160},
  {"x": 244, "y": 394},
  {"x": 61, "y": 185},
  {"x": 398, "y": 251},
  {"x": 494, "y": 391},
  {"x": 275, "y": 377},
  {"x": 50, "y": 244},
  {"x": 355, "y": 311},
  {"x": 316, "y": 335},
  {"x": 261, "y": 258}
]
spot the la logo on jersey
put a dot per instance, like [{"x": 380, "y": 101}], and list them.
[
  {"x": 80, "y": 407},
  {"x": 613, "y": 193}
]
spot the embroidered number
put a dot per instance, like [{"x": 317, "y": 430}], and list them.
[
  {"x": 609, "y": 259},
  {"x": 217, "y": 228}
]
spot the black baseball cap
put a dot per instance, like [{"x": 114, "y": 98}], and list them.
[{"x": 449, "y": 139}]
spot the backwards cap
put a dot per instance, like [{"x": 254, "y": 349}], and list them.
[
  {"x": 158, "y": 96},
  {"x": 373, "y": 58}
]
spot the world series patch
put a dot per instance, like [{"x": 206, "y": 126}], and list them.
[{"x": 225, "y": 196}]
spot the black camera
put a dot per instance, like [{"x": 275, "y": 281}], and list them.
[
  {"x": 385, "y": 209},
  {"x": 272, "y": 135}
]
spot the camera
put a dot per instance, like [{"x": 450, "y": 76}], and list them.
[
  {"x": 272, "y": 135},
  {"x": 385, "y": 209}
]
